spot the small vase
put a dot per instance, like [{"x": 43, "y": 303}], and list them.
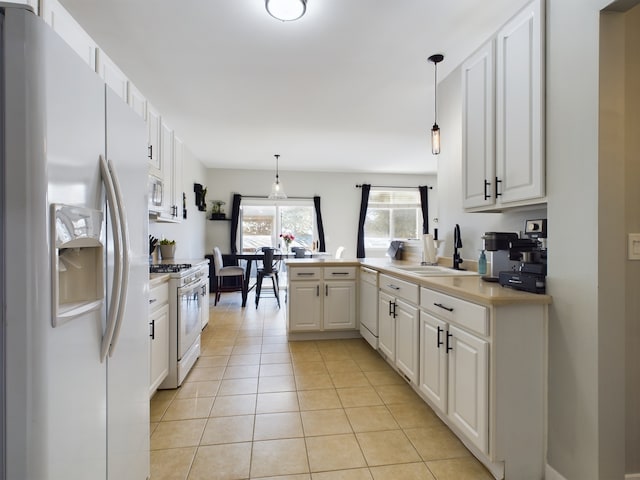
[{"x": 167, "y": 251}]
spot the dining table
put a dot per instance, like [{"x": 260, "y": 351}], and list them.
[{"x": 250, "y": 258}]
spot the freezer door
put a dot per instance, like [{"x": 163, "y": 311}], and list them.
[
  {"x": 56, "y": 385},
  {"x": 128, "y": 361}
]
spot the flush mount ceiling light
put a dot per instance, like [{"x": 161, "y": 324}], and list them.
[
  {"x": 277, "y": 192},
  {"x": 435, "y": 130},
  {"x": 286, "y": 10}
]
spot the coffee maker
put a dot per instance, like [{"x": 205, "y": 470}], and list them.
[{"x": 518, "y": 262}]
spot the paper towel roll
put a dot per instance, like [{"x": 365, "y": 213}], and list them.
[{"x": 429, "y": 248}]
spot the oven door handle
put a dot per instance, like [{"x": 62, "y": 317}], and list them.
[{"x": 196, "y": 284}]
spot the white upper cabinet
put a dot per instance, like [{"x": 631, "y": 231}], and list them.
[
  {"x": 112, "y": 75},
  {"x": 478, "y": 133},
  {"x": 137, "y": 101},
  {"x": 503, "y": 117},
  {"x": 153, "y": 125},
  {"x": 520, "y": 106},
  {"x": 71, "y": 32}
]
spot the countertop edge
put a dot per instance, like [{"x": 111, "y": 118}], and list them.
[
  {"x": 471, "y": 288},
  {"x": 156, "y": 279}
]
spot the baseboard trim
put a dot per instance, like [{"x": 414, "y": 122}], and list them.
[{"x": 551, "y": 474}]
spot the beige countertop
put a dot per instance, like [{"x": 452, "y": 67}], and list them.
[
  {"x": 469, "y": 287},
  {"x": 156, "y": 279}
]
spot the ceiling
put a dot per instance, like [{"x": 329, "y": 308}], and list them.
[{"x": 346, "y": 88}]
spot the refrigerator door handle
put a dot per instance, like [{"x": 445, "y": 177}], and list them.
[
  {"x": 117, "y": 267},
  {"x": 125, "y": 261}
]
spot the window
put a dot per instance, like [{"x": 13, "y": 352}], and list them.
[
  {"x": 392, "y": 215},
  {"x": 263, "y": 222}
]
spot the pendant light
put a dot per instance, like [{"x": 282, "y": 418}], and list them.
[
  {"x": 286, "y": 10},
  {"x": 277, "y": 192},
  {"x": 435, "y": 130}
]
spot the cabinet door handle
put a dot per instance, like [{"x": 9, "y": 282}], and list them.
[
  {"x": 394, "y": 309},
  {"x": 439, "y": 341},
  {"x": 439, "y": 305},
  {"x": 317, "y": 290},
  {"x": 153, "y": 329},
  {"x": 393, "y": 287},
  {"x": 151, "y": 151},
  {"x": 486, "y": 195},
  {"x": 449, "y": 347},
  {"x": 497, "y": 183},
  {"x": 326, "y": 290},
  {"x": 152, "y": 300},
  {"x": 390, "y": 311}
]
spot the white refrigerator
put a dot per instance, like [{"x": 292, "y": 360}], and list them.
[{"x": 73, "y": 266}]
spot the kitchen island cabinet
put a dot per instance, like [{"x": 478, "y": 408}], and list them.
[{"x": 322, "y": 299}]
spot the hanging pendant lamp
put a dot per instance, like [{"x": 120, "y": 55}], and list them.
[
  {"x": 435, "y": 130},
  {"x": 277, "y": 192},
  {"x": 286, "y": 10}
]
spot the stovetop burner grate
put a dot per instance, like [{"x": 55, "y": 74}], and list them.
[{"x": 169, "y": 268}]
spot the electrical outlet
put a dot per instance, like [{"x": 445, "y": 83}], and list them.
[{"x": 634, "y": 246}]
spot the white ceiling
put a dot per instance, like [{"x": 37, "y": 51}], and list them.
[{"x": 346, "y": 88}]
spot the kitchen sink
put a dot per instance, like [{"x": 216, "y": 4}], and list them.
[{"x": 433, "y": 270}]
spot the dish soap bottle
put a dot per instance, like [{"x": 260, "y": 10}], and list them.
[{"x": 482, "y": 263}]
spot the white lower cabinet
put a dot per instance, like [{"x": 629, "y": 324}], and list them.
[
  {"x": 398, "y": 325},
  {"x": 482, "y": 369},
  {"x": 158, "y": 335},
  {"x": 321, "y": 299},
  {"x": 454, "y": 376}
]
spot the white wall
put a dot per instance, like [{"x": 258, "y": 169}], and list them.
[
  {"x": 340, "y": 199},
  {"x": 190, "y": 233}
]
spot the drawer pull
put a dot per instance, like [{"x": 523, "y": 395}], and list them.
[
  {"x": 439, "y": 342},
  {"x": 305, "y": 274},
  {"x": 392, "y": 286},
  {"x": 339, "y": 273},
  {"x": 153, "y": 300},
  {"x": 448, "y": 309}
]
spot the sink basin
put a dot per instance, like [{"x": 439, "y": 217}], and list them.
[{"x": 433, "y": 270}]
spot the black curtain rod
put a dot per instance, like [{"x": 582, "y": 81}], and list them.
[
  {"x": 266, "y": 197},
  {"x": 387, "y": 186}
]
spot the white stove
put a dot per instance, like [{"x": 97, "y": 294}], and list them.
[{"x": 186, "y": 286}]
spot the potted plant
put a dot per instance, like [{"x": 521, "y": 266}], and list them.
[{"x": 167, "y": 248}]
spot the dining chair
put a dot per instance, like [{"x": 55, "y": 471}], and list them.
[
  {"x": 270, "y": 267},
  {"x": 222, "y": 272}
]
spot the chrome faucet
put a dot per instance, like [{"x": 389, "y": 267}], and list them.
[{"x": 457, "y": 243}]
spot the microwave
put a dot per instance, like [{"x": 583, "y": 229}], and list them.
[{"x": 156, "y": 187}]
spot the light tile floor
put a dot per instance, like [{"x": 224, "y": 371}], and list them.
[{"x": 257, "y": 406}]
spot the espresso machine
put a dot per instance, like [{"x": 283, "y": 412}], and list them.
[{"x": 518, "y": 262}]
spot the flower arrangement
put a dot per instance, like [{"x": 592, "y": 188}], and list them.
[{"x": 287, "y": 238}]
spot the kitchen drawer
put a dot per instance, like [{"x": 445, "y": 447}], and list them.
[
  {"x": 158, "y": 296},
  {"x": 369, "y": 276},
  {"x": 466, "y": 314},
  {"x": 399, "y": 288},
  {"x": 339, "y": 273},
  {"x": 304, "y": 273}
]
